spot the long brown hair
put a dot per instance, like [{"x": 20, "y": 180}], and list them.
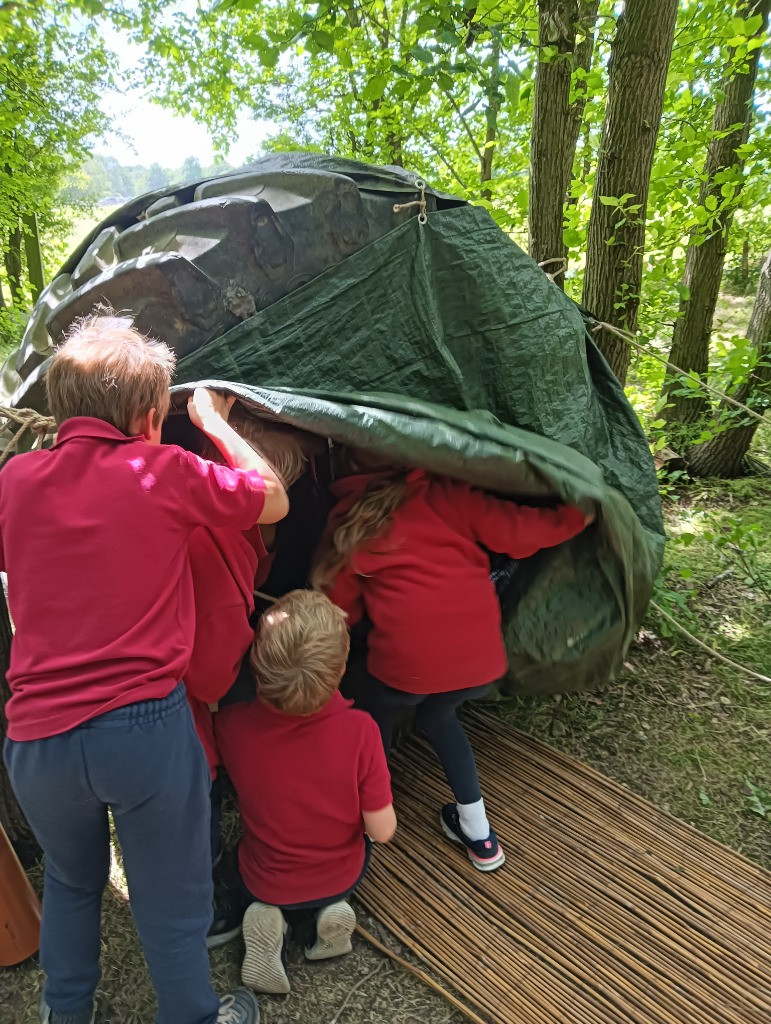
[
  {"x": 283, "y": 447},
  {"x": 365, "y": 520}
]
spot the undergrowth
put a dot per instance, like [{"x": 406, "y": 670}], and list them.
[{"x": 679, "y": 727}]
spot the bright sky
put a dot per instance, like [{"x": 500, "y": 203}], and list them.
[{"x": 155, "y": 135}]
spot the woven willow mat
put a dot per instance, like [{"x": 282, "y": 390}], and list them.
[{"x": 607, "y": 910}]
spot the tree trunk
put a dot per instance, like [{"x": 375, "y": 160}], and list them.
[
  {"x": 706, "y": 253},
  {"x": 35, "y": 272},
  {"x": 491, "y": 115},
  {"x": 638, "y": 69},
  {"x": 556, "y": 123},
  {"x": 745, "y": 264},
  {"x": 11, "y": 815},
  {"x": 726, "y": 453},
  {"x": 13, "y": 267}
]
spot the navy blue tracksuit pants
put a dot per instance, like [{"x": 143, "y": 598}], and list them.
[{"x": 144, "y": 763}]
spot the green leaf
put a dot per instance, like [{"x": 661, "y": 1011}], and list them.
[
  {"x": 374, "y": 88},
  {"x": 511, "y": 88},
  {"x": 573, "y": 238},
  {"x": 609, "y": 200}
]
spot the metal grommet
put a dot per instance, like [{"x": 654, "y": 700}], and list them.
[{"x": 422, "y": 218}]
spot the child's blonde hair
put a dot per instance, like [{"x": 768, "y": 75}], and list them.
[
  {"x": 107, "y": 369},
  {"x": 280, "y": 445},
  {"x": 300, "y": 652},
  {"x": 367, "y": 519}
]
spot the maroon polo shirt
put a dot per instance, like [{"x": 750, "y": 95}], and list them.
[
  {"x": 94, "y": 538},
  {"x": 302, "y": 784}
]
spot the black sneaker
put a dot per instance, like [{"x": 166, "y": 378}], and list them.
[
  {"x": 240, "y": 1007},
  {"x": 484, "y": 854},
  {"x": 228, "y": 915}
]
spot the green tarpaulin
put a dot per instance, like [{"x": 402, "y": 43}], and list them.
[{"x": 443, "y": 345}]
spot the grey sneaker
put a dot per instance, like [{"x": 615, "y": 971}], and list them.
[
  {"x": 263, "y": 966},
  {"x": 240, "y": 1007},
  {"x": 49, "y": 1016},
  {"x": 334, "y": 927}
]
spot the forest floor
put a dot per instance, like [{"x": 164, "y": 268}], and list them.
[{"x": 677, "y": 727}]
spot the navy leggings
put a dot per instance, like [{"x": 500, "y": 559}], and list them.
[
  {"x": 144, "y": 763},
  {"x": 436, "y": 715}
]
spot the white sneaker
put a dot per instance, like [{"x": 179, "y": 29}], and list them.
[
  {"x": 263, "y": 966},
  {"x": 334, "y": 927}
]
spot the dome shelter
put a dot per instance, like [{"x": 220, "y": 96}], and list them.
[{"x": 359, "y": 305}]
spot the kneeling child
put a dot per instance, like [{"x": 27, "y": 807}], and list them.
[{"x": 311, "y": 779}]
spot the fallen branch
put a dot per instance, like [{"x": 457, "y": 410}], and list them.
[
  {"x": 425, "y": 978},
  {"x": 358, "y": 985}
]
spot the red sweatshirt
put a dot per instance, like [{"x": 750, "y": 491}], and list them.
[
  {"x": 425, "y": 584},
  {"x": 223, "y": 565}
]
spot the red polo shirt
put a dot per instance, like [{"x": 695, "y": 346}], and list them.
[
  {"x": 224, "y": 564},
  {"x": 302, "y": 784},
  {"x": 425, "y": 583},
  {"x": 93, "y": 536}
]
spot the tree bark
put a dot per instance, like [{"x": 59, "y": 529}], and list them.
[
  {"x": 725, "y": 455},
  {"x": 13, "y": 266},
  {"x": 638, "y": 69},
  {"x": 706, "y": 253},
  {"x": 556, "y": 122},
  {"x": 35, "y": 272},
  {"x": 11, "y": 815}
]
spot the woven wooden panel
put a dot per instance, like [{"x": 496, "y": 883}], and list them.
[{"x": 607, "y": 910}]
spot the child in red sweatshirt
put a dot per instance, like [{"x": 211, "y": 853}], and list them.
[
  {"x": 404, "y": 548},
  {"x": 227, "y": 566}
]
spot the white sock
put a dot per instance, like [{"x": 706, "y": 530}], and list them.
[{"x": 473, "y": 820}]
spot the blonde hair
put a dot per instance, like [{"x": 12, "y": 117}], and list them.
[
  {"x": 367, "y": 519},
  {"x": 107, "y": 369},
  {"x": 300, "y": 652},
  {"x": 280, "y": 445}
]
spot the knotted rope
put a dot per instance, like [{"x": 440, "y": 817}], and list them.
[
  {"x": 422, "y": 217},
  {"x": 26, "y": 419}
]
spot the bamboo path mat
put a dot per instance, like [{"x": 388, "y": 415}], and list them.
[{"x": 607, "y": 910}]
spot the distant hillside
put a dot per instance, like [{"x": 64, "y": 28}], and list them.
[{"x": 103, "y": 181}]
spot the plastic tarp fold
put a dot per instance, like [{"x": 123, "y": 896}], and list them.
[{"x": 443, "y": 345}]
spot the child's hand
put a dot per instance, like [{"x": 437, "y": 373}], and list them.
[
  {"x": 207, "y": 408},
  {"x": 589, "y": 518}
]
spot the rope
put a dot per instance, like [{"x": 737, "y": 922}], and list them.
[
  {"x": 554, "y": 273},
  {"x": 706, "y": 647},
  {"x": 631, "y": 340},
  {"x": 422, "y": 217},
  {"x": 27, "y": 419}
]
